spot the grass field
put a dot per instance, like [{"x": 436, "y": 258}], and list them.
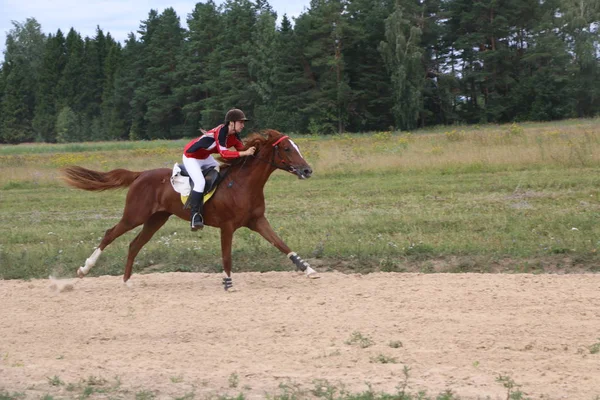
[{"x": 502, "y": 198}]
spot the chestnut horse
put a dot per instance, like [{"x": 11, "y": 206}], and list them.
[{"x": 238, "y": 202}]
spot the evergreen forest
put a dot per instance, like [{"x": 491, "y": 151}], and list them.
[{"x": 340, "y": 66}]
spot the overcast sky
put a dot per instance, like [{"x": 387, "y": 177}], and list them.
[{"x": 119, "y": 17}]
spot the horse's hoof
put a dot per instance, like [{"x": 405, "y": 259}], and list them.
[
  {"x": 80, "y": 273},
  {"x": 311, "y": 273},
  {"x": 227, "y": 283}
]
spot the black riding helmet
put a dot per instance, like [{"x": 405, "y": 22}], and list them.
[{"x": 235, "y": 114}]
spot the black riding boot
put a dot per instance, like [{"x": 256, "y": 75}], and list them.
[{"x": 196, "y": 206}]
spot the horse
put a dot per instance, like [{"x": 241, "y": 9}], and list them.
[{"x": 239, "y": 200}]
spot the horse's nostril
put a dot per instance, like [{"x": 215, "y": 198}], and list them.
[{"x": 307, "y": 171}]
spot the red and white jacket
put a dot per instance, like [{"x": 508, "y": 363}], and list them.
[{"x": 212, "y": 142}]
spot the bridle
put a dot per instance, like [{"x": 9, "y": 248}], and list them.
[{"x": 285, "y": 166}]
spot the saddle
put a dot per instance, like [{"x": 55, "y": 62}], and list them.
[{"x": 183, "y": 184}]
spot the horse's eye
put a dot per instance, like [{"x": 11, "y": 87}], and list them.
[{"x": 287, "y": 149}]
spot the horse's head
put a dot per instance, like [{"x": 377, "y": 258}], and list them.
[{"x": 285, "y": 154}]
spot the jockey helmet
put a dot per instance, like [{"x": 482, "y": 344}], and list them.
[{"x": 235, "y": 114}]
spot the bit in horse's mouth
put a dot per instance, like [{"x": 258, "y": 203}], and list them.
[{"x": 299, "y": 173}]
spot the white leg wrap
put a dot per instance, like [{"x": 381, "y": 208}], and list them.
[
  {"x": 89, "y": 263},
  {"x": 302, "y": 265}
]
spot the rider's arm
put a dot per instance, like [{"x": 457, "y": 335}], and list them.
[
  {"x": 222, "y": 145},
  {"x": 204, "y": 142}
]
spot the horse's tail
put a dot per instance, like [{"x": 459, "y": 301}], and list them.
[{"x": 87, "y": 179}]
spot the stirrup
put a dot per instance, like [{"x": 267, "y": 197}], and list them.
[{"x": 197, "y": 226}]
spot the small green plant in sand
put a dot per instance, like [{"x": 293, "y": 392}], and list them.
[
  {"x": 55, "y": 381},
  {"x": 383, "y": 359},
  {"x": 359, "y": 339},
  {"x": 512, "y": 391},
  {"x": 234, "y": 380},
  {"x": 145, "y": 395},
  {"x": 594, "y": 348}
]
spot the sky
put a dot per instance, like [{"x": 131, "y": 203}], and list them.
[{"x": 119, "y": 17}]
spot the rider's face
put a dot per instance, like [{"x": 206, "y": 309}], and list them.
[{"x": 238, "y": 126}]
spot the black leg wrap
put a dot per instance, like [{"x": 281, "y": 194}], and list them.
[
  {"x": 227, "y": 283},
  {"x": 299, "y": 262}
]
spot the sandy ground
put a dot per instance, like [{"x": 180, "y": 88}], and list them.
[{"x": 176, "y": 334}]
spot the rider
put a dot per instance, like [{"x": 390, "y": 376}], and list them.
[{"x": 197, "y": 157}]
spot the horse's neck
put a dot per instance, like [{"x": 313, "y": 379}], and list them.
[{"x": 253, "y": 171}]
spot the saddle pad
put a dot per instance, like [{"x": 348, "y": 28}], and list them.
[
  {"x": 180, "y": 183},
  {"x": 207, "y": 196}
]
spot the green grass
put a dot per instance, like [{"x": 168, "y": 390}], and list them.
[
  {"x": 492, "y": 201},
  {"x": 318, "y": 389}
]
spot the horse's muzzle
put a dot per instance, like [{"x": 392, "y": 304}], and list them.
[{"x": 302, "y": 172}]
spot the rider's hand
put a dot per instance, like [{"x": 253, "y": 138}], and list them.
[{"x": 250, "y": 151}]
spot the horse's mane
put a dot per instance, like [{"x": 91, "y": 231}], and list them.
[{"x": 256, "y": 139}]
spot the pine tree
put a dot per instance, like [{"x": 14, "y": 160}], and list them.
[
  {"x": 109, "y": 114},
  {"x": 53, "y": 64},
  {"x": 290, "y": 84},
  {"x": 23, "y": 60},
  {"x": 69, "y": 89},
  {"x": 438, "y": 83},
  {"x": 95, "y": 51},
  {"x": 581, "y": 29},
  {"x": 402, "y": 54},
  {"x": 18, "y": 103},
  {"x": 163, "y": 116},
  {"x": 369, "y": 80},
  {"x": 3, "y": 76},
  {"x": 545, "y": 90},
  {"x": 231, "y": 86},
  {"x": 322, "y": 34},
  {"x": 262, "y": 63},
  {"x": 197, "y": 65},
  {"x": 136, "y": 72},
  {"x": 493, "y": 37},
  {"x": 121, "y": 109}
]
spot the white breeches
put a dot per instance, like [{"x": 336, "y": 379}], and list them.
[{"x": 195, "y": 167}]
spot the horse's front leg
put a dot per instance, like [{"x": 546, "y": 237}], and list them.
[
  {"x": 262, "y": 226},
  {"x": 226, "y": 240}
]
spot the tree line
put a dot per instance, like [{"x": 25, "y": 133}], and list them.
[{"x": 342, "y": 65}]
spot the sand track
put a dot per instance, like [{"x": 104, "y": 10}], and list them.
[{"x": 178, "y": 333}]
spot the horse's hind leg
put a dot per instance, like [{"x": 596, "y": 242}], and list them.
[
  {"x": 110, "y": 235},
  {"x": 153, "y": 224}
]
